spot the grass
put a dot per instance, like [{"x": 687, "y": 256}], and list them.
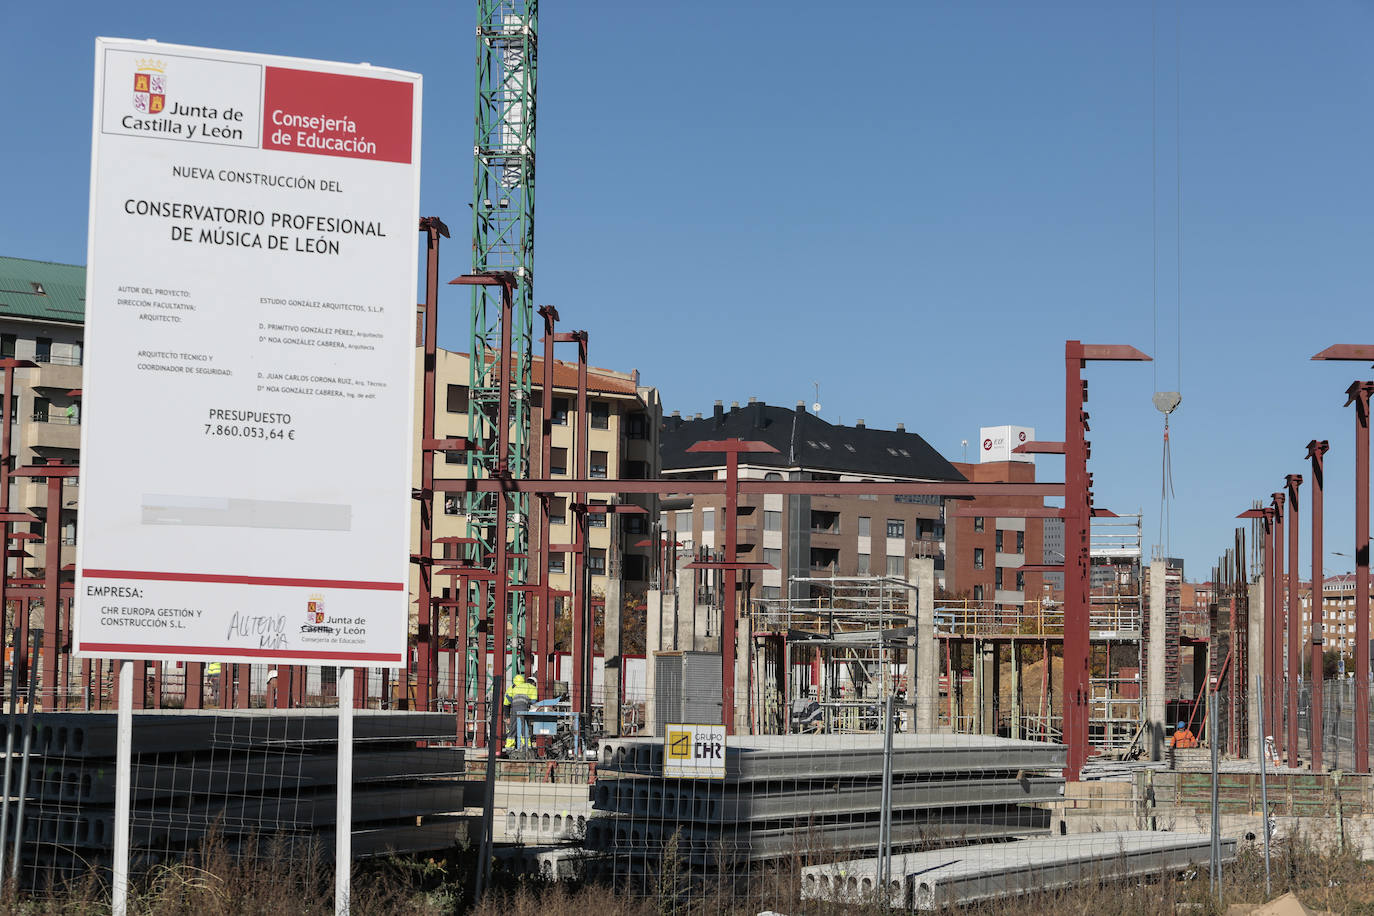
[{"x": 272, "y": 884}]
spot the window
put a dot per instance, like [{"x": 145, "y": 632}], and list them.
[
  {"x": 42, "y": 352},
  {"x": 596, "y": 562},
  {"x": 708, "y": 519},
  {"x": 978, "y": 593},
  {"x": 864, "y": 568},
  {"x": 560, "y": 412},
  {"x": 450, "y": 505},
  {"x": 636, "y": 470},
  {"x": 896, "y": 528},
  {"x": 558, "y": 461},
  {"x": 454, "y": 457},
  {"x": 772, "y": 521},
  {"x": 1020, "y": 581},
  {"x": 457, "y": 400},
  {"x": 997, "y": 539},
  {"x": 637, "y": 426},
  {"x": 896, "y": 566},
  {"x": 69, "y": 532},
  {"x": 40, "y": 410},
  {"x": 634, "y": 523},
  {"x": 865, "y": 526},
  {"x": 978, "y": 523},
  {"x": 7, "y": 342},
  {"x": 558, "y": 510},
  {"x": 977, "y": 558},
  {"x": 598, "y": 470},
  {"x": 1020, "y": 542},
  {"x": 773, "y": 557},
  {"x": 600, "y": 413},
  {"x": 558, "y": 562},
  {"x": 596, "y": 519},
  {"x": 772, "y": 592},
  {"x": 772, "y": 475},
  {"x": 997, "y": 577},
  {"x": 684, "y": 523}
]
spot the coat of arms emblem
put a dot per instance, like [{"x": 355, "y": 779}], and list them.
[{"x": 150, "y": 87}]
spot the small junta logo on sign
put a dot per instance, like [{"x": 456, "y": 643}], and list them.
[
  {"x": 987, "y": 445},
  {"x": 314, "y": 609},
  {"x": 1021, "y": 436},
  {"x": 150, "y": 86}
]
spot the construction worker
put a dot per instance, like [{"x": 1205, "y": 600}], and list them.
[
  {"x": 518, "y": 697},
  {"x": 212, "y": 671}
]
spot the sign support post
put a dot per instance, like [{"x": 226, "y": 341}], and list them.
[
  {"x": 124, "y": 744},
  {"x": 343, "y": 815}
]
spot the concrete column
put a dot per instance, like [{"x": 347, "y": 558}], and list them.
[
  {"x": 659, "y": 606},
  {"x": 923, "y": 661},
  {"x": 1254, "y": 652},
  {"x": 1016, "y": 693},
  {"x": 610, "y": 651},
  {"x": 744, "y": 657},
  {"x": 979, "y": 687},
  {"x": 1155, "y": 661},
  {"x": 995, "y": 694}
]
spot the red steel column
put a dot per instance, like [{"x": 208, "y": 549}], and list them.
[
  {"x": 1076, "y": 562},
  {"x": 425, "y": 641},
  {"x": 543, "y": 648},
  {"x": 502, "y": 589},
  {"x": 582, "y": 599},
  {"x": 1317, "y": 451},
  {"x": 1294, "y": 619},
  {"x": 1268, "y": 661},
  {"x": 1280, "y": 599},
  {"x": 52, "y": 591},
  {"x": 729, "y": 631},
  {"x": 1359, "y": 393}
]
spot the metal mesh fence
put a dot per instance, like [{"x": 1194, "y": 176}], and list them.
[{"x": 791, "y": 813}]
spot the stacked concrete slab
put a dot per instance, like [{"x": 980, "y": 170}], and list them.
[
  {"x": 937, "y": 879},
  {"x": 252, "y": 777},
  {"x": 815, "y": 796}
]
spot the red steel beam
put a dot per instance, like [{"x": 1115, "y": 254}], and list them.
[
  {"x": 1039, "y": 448},
  {"x": 666, "y": 487}
]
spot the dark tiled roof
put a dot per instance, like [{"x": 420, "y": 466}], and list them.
[
  {"x": 806, "y": 441},
  {"x": 42, "y": 290}
]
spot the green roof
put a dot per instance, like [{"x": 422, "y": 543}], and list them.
[{"x": 42, "y": 290}]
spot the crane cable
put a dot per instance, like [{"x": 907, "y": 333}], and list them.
[{"x": 1167, "y": 401}]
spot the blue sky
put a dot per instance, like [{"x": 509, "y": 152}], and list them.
[{"x": 912, "y": 204}]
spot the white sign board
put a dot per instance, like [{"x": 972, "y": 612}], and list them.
[
  {"x": 250, "y": 318},
  {"x": 995, "y": 443},
  {"x": 694, "y": 751}
]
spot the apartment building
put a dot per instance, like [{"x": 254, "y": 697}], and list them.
[
  {"x": 1339, "y": 613},
  {"x": 623, "y": 442},
  {"x": 42, "y": 320},
  {"x": 988, "y": 551},
  {"x": 808, "y": 536}
]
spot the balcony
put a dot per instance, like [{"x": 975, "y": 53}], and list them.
[
  {"x": 33, "y": 495},
  {"x": 38, "y": 556},
  {"x": 59, "y": 373},
  {"x": 55, "y": 430}
]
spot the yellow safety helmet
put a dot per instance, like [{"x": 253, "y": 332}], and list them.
[{"x": 519, "y": 680}]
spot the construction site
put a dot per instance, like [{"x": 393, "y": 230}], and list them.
[{"x": 673, "y": 656}]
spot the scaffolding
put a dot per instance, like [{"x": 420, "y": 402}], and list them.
[{"x": 829, "y": 659}]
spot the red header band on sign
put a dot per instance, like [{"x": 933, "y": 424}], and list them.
[{"x": 332, "y": 114}]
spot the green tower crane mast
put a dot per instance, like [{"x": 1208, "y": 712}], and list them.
[{"x": 502, "y": 240}]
